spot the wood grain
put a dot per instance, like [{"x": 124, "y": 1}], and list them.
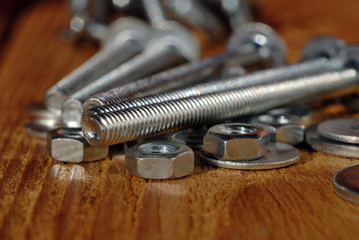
[{"x": 44, "y": 199}]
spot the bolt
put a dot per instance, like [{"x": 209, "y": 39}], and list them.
[
  {"x": 265, "y": 76},
  {"x": 194, "y": 13},
  {"x": 169, "y": 46},
  {"x": 195, "y": 72},
  {"x": 126, "y": 38},
  {"x": 242, "y": 47},
  {"x": 135, "y": 123}
]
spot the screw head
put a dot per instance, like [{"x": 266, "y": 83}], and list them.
[
  {"x": 323, "y": 46},
  {"x": 259, "y": 35}
]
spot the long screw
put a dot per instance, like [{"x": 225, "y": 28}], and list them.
[
  {"x": 315, "y": 65},
  {"x": 242, "y": 48},
  {"x": 126, "y": 38},
  {"x": 134, "y": 123}
]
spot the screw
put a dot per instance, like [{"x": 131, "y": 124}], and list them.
[
  {"x": 242, "y": 48},
  {"x": 265, "y": 76},
  {"x": 134, "y": 123},
  {"x": 170, "y": 45},
  {"x": 126, "y": 38},
  {"x": 194, "y": 13}
]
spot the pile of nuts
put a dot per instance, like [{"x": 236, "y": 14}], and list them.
[{"x": 147, "y": 89}]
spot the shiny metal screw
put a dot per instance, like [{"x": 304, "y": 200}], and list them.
[
  {"x": 171, "y": 44},
  {"x": 134, "y": 123},
  {"x": 125, "y": 38},
  {"x": 242, "y": 49},
  {"x": 261, "y": 77}
]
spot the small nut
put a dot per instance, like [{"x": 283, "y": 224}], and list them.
[
  {"x": 283, "y": 128},
  {"x": 236, "y": 141},
  {"x": 69, "y": 145},
  {"x": 160, "y": 160}
]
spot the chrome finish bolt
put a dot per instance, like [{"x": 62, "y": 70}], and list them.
[
  {"x": 242, "y": 48},
  {"x": 125, "y": 39},
  {"x": 116, "y": 127},
  {"x": 261, "y": 77}
]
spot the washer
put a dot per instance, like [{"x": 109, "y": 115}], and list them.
[
  {"x": 279, "y": 155},
  {"x": 38, "y": 109},
  {"x": 343, "y": 130},
  {"x": 326, "y": 145},
  {"x": 40, "y": 126},
  {"x": 346, "y": 183}
]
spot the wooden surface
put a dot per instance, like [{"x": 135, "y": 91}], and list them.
[{"x": 44, "y": 199}]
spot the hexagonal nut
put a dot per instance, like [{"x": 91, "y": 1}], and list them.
[
  {"x": 160, "y": 160},
  {"x": 70, "y": 145},
  {"x": 236, "y": 141},
  {"x": 285, "y": 128}
]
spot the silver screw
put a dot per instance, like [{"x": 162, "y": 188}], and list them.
[
  {"x": 134, "y": 123},
  {"x": 242, "y": 48},
  {"x": 195, "y": 14},
  {"x": 169, "y": 46},
  {"x": 125, "y": 39},
  {"x": 265, "y": 76}
]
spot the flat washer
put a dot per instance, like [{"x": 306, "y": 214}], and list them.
[
  {"x": 40, "y": 126},
  {"x": 343, "y": 130},
  {"x": 346, "y": 183},
  {"x": 326, "y": 145},
  {"x": 279, "y": 155}
]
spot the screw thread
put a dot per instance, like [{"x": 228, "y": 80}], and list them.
[
  {"x": 265, "y": 76},
  {"x": 133, "y": 123}
]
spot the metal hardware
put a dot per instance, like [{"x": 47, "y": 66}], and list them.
[
  {"x": 346, "y": 183},
  {"x": 236, "y": 141},
  {"x": 40, "y": 126},
  {"x": 326, "y": 145},
  {"x": 126, "y": 38},
  {"x": 69, "y": 145},
  {"x": 133, "y": 123},
  {"x": 284, "y": 128},
  {"x": 302, "y": 111},
  {"x": 279, "y": 155},
  {"x": 160, "y": 160},
  {"x": 342, "y": 130}
]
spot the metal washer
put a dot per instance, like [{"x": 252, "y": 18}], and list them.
[
  {"x": 279, "y": 155},
  {"x": 346, "y": 183},
  {"x": 343, "y": 130},
  {"x": 40, "y": 126},
  {"x": 326, "y": 145}
]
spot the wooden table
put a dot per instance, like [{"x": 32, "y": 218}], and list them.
[{"x": 43, "y": 199}]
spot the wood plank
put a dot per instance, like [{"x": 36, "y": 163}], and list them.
[{"x": 44, "y": 199}]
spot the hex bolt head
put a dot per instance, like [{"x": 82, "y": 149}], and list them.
[
  {"x": 69, "y": 145},
  {"x": 160, "y": 160},
  {"x": 236, "y": 141}
]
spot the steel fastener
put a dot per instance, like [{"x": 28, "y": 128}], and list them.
[
  {"x": 279, "y": 155},
  {"x": 264, "y": 76},
  {"x": 346, "y": 183},
  {"x": 69, "y": 145},
  {"x": 343, "y": 130},
  {"x": 160, "y": 160},
  {"x": 283, "y": 128},
  {"x": 236, "y": 141},
  {"x": 126, "y": 38}
]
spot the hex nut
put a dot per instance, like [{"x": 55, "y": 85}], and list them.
[
  {"x": 285, "y": 128},
  {"x": 160, "y": 160},
  {"x": 70, "y": 145},
  {"x": 236, "y": 141}
]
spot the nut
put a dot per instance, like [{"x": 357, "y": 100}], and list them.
[
  {"x": 69, "y": 145},
  {"x": 160, "y": 160},
  {"x": 285, "y": 128},
  {"x": 236, "y": 141}
]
